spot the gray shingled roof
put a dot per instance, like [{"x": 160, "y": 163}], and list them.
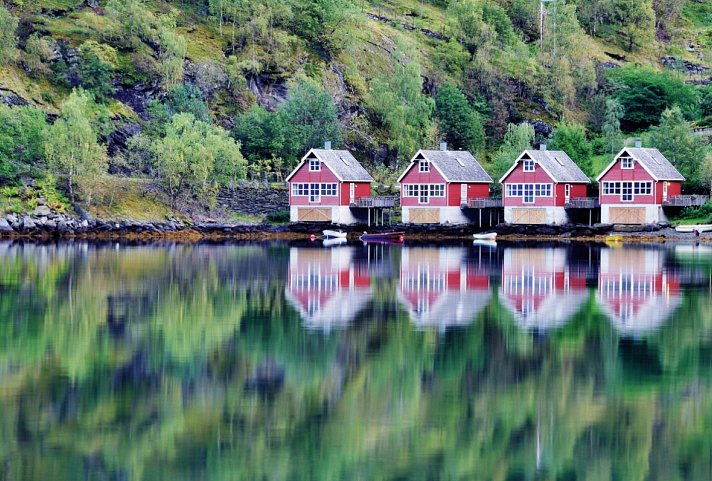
[
  {"x": 446, "y": 161},
  {"x": 559, "y": 165},
  {"x": 655, "y": 163},
  {"x": 344, "y": 165}
]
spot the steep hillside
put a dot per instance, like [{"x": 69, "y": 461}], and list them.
[{"x": 282, "y": 75}]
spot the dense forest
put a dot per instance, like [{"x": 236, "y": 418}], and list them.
[{"x": 154, "y": 105}]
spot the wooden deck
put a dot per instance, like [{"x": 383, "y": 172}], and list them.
[
  {"x": 482, "y": 203},
  {"x": 384, "y": 201},
  {"x": 583, "y": 203},
  {"x": 685, "y": 200}
]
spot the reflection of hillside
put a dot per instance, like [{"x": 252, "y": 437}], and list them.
[
  {"x": 326, "y": 287},
  {"x": 439, "y": 288},
  {"x": 539, "y": 289},
  {"x": 635, "y": 290}
]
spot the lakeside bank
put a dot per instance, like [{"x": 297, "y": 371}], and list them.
[{"x": 63, "y": 226}]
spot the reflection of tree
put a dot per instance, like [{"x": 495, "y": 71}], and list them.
[{"x": 135, "y": 364}]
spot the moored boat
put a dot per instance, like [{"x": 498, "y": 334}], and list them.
[
  {"x": 694, "y": 229},
  {"x": 490, "y": 236},
  {"x": 383, "y": 237},
  {"x": 334, "y": 234},
  {"x": 334, "y": 241}
]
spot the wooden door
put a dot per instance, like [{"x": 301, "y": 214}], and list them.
[
  {"x": 425, "y": 216},
  {"x": 627, "y": 215},
  {"x": 314, "y": 214},
  {"x": 528, "y": 216}
]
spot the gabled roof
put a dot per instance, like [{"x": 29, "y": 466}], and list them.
[
  {"x": 556, "y": 163},
  {"x": 344, "y": 165},
  {"x": 652, "y": 160},
  {"x": 453, "y": 165}
]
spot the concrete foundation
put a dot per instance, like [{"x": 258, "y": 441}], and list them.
[{"x": 339, "y": 214}]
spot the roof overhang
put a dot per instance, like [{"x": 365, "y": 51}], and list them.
[{"x": 615, "y": 159}]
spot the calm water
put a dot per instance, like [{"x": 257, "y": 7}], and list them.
[{"x": 278, "y": 362}]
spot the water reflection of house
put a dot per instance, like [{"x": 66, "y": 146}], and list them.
[
  {"x": 540, "y": 289},
  {"x": 326, "y": 287},
  {"x": 439, "y": 288},
  {"x": 635, "y": 290}
]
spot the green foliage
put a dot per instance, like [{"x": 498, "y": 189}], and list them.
[
  {"x": 571, "y": 138},
  {"x": 636, "y": 20},
  {"x": 195, "y": 157},
  {"x": 173, "y": 51},
  {"x": 476, "y": 22},
  {"x": 305, "y": 120},
  {"x": 403, "y": 109},
  {"x": 325, "y": 23},
  {"x": 645, "y": 94},
  {"x": 460, "y": 124},
  {"x": 8, "y": 36},
  {"x": 685, "y": 150},
  {"x": 517, "y": 139},
  {"x": 37, "y": 55},
  {"x": 72, "y": 146},
  {"x": 183, "y": 98},
  {"x": 612, "y": 125},
  {"x": 97, "y": 68},
  {"x": 133, "y": 22},
  {"x": 23, "y": 131}
]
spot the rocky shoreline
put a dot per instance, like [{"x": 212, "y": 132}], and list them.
[{"x": 45, "y": 224}]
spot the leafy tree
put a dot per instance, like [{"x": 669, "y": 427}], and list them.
[
  {"x": 645, "y": 94},
  {"x": 183, "y": 98},
  {"x": 674, "y": 138},
  {"x": 571, "y": 138},
  {"x": 636, "y": 20},
  {"x": 450, "y": 57},
  {"x": 72, "y": 146},
  {"x": 134, "y": 21},
  {"x": 517, "y": 139},
  {"x": 195, "y": 157},
  {"x": 23, "y": 131},
  {"x": 400, "y": 104},
  {"x": 307, "y": 119},
  {"x": 259, "y": 132},
  {"x": 612, "y": 124},
  {"x": 8, "y": 36},
  {"x": 324, "y": 22},
  {"x": 174, "y": 48},
  {"x": 97, "y": 68},
  {"x": 461, "y": 125},
  {"x": 476, "y": 22}
]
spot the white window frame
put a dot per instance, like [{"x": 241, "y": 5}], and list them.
[
  {"x": 314, "y": 165},
  {"x": 423, "y": 166},
  {"x": 314, "y": 193},
  {"x": 528, "y": 165},
  {"x": 629, "y": 187},
  {"x": 529, "y": 196},
  {"x": 627, "y": 163}
]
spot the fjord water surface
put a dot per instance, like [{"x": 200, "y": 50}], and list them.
[{"x": 278, "y": 362}]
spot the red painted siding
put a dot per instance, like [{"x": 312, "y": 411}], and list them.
[
  {"x": 304, "y": 176},
  {"x": 363, "y": 189},
  {"x": 577, "y": 190},
  {"x": 518, "y": 176},
  {"x": 415, "y": 177},
  {"x": 637, "y": 173},
  {"x": 674, "y": 188}
]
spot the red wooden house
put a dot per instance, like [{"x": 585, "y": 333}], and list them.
[
  {"x": 538, "y": 187},
  {"x": 325, "y": 187},
  {"x": 326, "y": 287},
  {"x": 439, "y": 288},
  {"x": 438, "y": 182},
  {"x": 636, "y": 291},
  {"x": 539, "y": 288},
  {"x": 635, "y": 185}
]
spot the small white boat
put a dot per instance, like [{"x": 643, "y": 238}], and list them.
[
  {"x": 699, "y": 228},
  {"x": 490, "y": 244},
  {"x": 334, "y": 241},
  {"x": 490, "y": 236},
  {"x": 334, "y": 234}
]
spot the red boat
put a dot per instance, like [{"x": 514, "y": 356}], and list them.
[{"x": 395, "y": 237}]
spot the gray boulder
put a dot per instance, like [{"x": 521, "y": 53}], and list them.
[
  {"x": 5, "y": 226},
  {"x": 28, "y": 223},
  {"x": 42, "y": 211}
]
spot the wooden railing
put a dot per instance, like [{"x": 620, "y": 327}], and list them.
[
  {"x": 483, "y": 203},
  {"x": 685, "y": 200},
  {"x": 583, "y": 203},
  {"x": 384, "y": 201}
]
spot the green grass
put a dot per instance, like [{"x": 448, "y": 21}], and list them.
[{"x": 121, "y": 198}]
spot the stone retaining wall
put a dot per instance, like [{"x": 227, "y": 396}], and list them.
[{"x": 253, "y": 201}]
